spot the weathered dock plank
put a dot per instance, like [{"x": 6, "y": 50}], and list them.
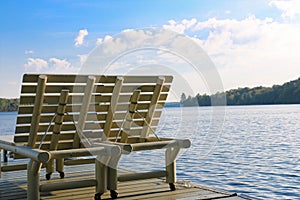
[{"x": 13, "y": 185}]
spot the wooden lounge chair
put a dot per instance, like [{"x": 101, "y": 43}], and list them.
[
  {"x": 109, "y": 112},
  {"x": 132, "y": 111},
  {"x": 46, "y": 131}
]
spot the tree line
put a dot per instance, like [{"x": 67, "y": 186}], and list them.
[
  {"x": 288, "y": 93},
  {"x": 9, "y": 105}
]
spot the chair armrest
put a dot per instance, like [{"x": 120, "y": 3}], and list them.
[
  {"x": 102, "y": 150},
  {"x": 125, "y": 148},
  {"x": 180, "y": 143},
  {"x": 35, "y": 154},
  {"x": 183, "y": 143}
]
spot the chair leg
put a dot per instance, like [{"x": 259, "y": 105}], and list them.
[
  {"x": 171, "y": 175},
  {"x": 98, "y": 196},
  {"x": 112, "y": 177},
  {"x": 114, "y": 194},
  {"x": 101, "y": 163},
  {"x": 101, "y": 178},
  {"x": 60, "y": 167},
  {"x": 171, "y": 154},
  {"x": 49, "y": 169},
  {"x": 0, "y": 163},
  {"x": 33, "y": 180},
  {"x": 5, "y": 159},
  {"x": 172, "y": 186}
]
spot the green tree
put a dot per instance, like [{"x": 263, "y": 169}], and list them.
[
  {"x": 288, "y": 93},
  {"x": 182, "y": 98}
]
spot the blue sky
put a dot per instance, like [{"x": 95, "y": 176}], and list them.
[{"x": 251, "y": 42}]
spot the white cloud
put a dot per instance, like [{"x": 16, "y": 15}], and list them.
[
  {"x": 79, "y": 40},
  {"x": 227, "y": 12},
  {"x": 189, "y": 23},
  {"x": 36, "y": 64},
  {"x": 251, "y": 51},
  {"x": 289, "y": 8},
  {"x": 230, "y": 33},
  {"x": 82, "y": 58},
  {"x": 53, "y": 65},
  {"x": 107, "y": 38},
  {"x": 150, "y": 51},
  {"x": 181, "y": 26},
  {"x": 29, "y": 52},
  {"x": 247, "y": 52},
  {"x": 58, "y": 65},
  {"x": 99, "y": 41}
]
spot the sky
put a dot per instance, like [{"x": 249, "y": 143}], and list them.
[{"x": 251, "y": 42}]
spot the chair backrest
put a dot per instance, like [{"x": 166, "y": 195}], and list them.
[
  {"x": 51, "y": 105},
  {"x": 136, "y": 111}
]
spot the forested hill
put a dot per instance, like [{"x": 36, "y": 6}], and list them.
[
  {"x": 8, "y": 105},
  {"x": 288, "y": 93}
]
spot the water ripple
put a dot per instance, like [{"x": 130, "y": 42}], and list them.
[{"x": 257, "y": 154}]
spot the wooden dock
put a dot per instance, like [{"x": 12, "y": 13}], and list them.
[{"x": 13, "y": 186}]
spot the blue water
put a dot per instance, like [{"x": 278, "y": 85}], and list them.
[
  {"x": 256, "y": 152},
  {"x": 7, "y": 123}
]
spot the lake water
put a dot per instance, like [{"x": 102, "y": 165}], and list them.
[{"x": 257, "y": 152}]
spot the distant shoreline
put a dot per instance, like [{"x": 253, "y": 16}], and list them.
[
  {"x": 178, "y": 105},
  {"x": 288, "y": 93}
]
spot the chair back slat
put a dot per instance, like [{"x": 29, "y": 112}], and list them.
[
  {"x": 130, "y": 116},
  {"x": 113, "y": 106},
  {"x": 152, "y": 108},
  {"x": 84, "y": 109},
  {"x": 59, "y": 118},
  {"x": 98, "y": 108},
  {"x": 38, "y": 102}
]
